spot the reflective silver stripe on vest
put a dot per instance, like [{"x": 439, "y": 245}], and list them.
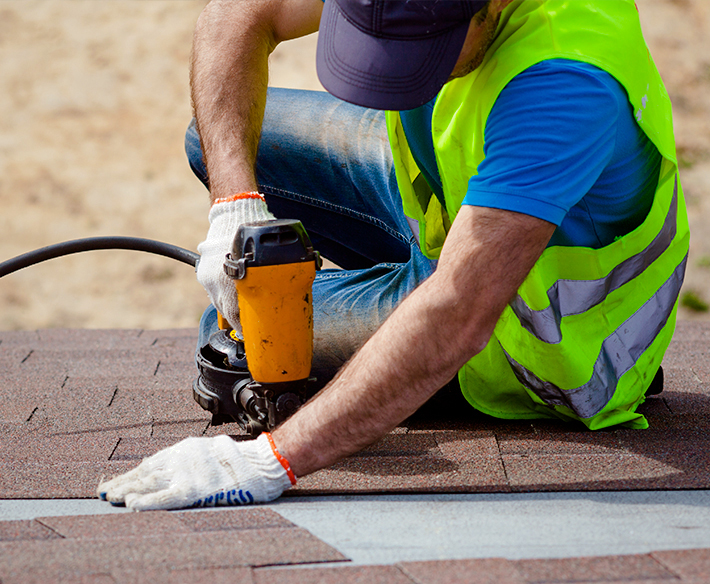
[
  {"x": 619, "y": 353},
  {"x": 569, "y": 297}
]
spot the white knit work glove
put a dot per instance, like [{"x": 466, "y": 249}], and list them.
[
  {"x": 226, "y": 215},
  {"x": 203, "y": 472}
]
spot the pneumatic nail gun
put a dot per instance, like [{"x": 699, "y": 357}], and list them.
[{"x": 261, "y": 378}]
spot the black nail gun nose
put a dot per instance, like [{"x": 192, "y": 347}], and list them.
[{"x": 261, "y": 378}]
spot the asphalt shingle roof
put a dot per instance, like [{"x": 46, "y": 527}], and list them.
[{"x": 76, "y": 405}]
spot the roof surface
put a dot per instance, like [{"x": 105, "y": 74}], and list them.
[{"x": 76, "y": 405}]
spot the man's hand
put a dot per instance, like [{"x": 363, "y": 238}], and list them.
[
  {"x": 225, "y": 218},
  {"x": 203, "y": 472}
]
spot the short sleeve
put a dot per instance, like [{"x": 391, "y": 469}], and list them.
[{"x": 548, "y": 138}]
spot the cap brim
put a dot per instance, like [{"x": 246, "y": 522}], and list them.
[{"x": 386, "y": 74}]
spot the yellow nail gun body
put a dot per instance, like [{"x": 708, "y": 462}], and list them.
[{"x": 261, "y": 379}]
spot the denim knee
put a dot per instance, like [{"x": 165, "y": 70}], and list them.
[{"x": 193, "y": 149}]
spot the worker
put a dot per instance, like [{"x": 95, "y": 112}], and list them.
[{"x": 497, "y": 179}]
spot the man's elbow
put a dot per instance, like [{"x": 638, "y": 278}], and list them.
[
  {"x": 474, "y": 339},
  {"x": 467, "y": 334}
]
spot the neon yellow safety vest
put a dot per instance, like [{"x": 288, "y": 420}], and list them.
[{"x": 588, "y": 328}]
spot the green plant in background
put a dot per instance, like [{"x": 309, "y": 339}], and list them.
[
  {"x": 685, "y": 157},
  {"x": 693, "y": 301},
  {"x": 689, "y": 156},
  {"x": 684, "y": 162},
  {"x": 703, "y": 262}
]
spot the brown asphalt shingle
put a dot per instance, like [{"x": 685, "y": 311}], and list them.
[
  {"x": 234, "y": 575},
  {"x": 328, "y": 575},
  {"x": 60, "y": 480},
  {"x": 683, "y": 566},
  {"x": 475, "y": 571},
  {"x": 690, "y": 565},
  {"x": 228, "y": 519},
  {"x": 154, "y": 524},
  {"x": 25, "y": 530},
  {"x": 634, "y": 568}
]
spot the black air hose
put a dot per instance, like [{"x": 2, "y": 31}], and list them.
[{"x": 95, "y": 243}]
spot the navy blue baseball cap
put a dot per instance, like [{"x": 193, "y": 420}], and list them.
[{"x": 391, "y": 54}]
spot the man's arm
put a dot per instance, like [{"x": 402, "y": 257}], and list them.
[
  {"x": 232, "y": 42},
  {"x": 441, "y": 325}
]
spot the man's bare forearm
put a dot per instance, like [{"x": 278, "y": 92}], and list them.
[
  {"x": 441, "y": 325},
  {"x": 228, "y": 80},
  {"x": 229, "y": 76}
]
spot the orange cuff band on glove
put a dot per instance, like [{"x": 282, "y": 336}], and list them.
[
  {"x": 285, "y": 463},
  {"x": 239, "y": 197}
]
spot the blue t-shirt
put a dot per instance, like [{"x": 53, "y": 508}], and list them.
[{"x": 561, "y": 144}]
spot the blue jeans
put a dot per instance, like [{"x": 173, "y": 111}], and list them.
[{"x": 328, "y": 164}]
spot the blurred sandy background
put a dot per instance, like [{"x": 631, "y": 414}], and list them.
[{"x": 94, "y": 100}]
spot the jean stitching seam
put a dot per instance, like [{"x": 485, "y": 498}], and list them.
[
  {"x": 334, "y": 275},
  {"x": 346, "y": 273},
  {"x": 275, "y": 191}
]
